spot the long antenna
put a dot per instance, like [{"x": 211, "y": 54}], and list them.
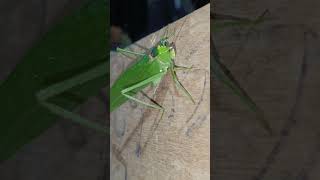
[
  {"x": 180, "y": 29},
  {"x": 176, "y": 38}
]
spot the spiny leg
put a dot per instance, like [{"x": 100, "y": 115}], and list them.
[
  {"x": 179, "y": 84},
  {"x": 140, "y": 84},
  {"x": 139, "y": 148},
  {"x": 155, "y": 105},
  {"x": 58, "y": 88}
]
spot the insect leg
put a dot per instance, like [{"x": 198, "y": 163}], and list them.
[
  {"x": 139, "y": 149},
  {"x": 124, "y": 51},
  {"x": 179, "y": 85},
  {"x": 176, "y": 68},
  {"x": 155, "y": 105},
  {"x": 58, "y": 88},
  {"x": 126, "y": 91}
]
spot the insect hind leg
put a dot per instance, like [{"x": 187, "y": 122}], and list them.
[
  {"x": 126, "y": 92},
  {"x": 139, "y": 148},
  {"x": 155, "y": 105}
]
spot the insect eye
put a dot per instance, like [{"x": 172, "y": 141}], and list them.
[{"x": 153, "y": 52}]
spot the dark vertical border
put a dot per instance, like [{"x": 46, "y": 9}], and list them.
[
  {"x": 211, "y": 97},
  {"x": 108, "y": 45}
]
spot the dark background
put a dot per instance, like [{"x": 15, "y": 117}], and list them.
[{"x": 140, "y": 18}]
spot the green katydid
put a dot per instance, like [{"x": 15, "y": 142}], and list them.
[{"x": 149, "y": 69}]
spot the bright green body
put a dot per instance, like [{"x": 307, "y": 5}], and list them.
[{"x": 154, "y": 65}]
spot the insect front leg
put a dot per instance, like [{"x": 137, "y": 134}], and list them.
[{"x": 126, "y": 52}]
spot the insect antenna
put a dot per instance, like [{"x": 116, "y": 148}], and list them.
[
  {"x": 183, "y": 23},
  {"x": 176, "y": 38}
]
